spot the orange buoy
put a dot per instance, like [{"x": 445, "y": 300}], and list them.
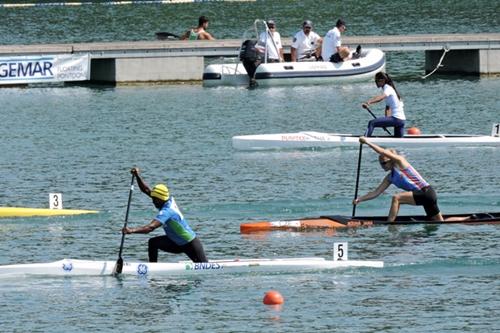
[
  {"x": 413, "y": 131},
  {"x": 273, "y": 297}
]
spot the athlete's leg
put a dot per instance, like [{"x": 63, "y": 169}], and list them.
[
  {"x": 439, "y": 217},
  {"x": 399, "y": 128},
  {"x": 405, "y": 198},
  {"x": 194, "y": 250},
  {"x": 161, "y": 243},
  {"x": 428, "y": 199},
  {"x": 379, "y": 122}
]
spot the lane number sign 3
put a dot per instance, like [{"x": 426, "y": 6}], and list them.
[{"x": 55, "y": 201}]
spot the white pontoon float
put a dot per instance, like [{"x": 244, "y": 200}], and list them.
[
  {"x": 309, "y": 139},
  {"x": 74, "y": 267}
]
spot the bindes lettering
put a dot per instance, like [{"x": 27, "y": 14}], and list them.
[
  {"x": 26, "y": 69},
  {"x": 206, "y": 266}
]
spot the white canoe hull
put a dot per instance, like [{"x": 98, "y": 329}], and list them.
[
  {"x": 294, "y": 73},
  {"x": 74, "y": 267},
  {"x": 302, "y": 140}
]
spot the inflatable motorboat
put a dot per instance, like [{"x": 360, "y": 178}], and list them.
[{"x": 363, "y": 68}]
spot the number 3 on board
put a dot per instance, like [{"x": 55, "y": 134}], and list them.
[
  {"x": 55, "y": 200},
  {"x": 339, "y": 251}
]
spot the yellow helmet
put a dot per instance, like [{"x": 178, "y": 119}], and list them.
[{"x": 161, "y": 192}]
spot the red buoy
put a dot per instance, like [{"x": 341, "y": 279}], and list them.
[
  {"x": 413, "y": 131},
  {"x": 273, "y": 297}
]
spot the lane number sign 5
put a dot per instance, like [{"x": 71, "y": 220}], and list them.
[{"x": 340, "y": 251}]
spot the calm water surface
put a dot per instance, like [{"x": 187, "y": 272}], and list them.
[
  {"x": 69, "y": 24},
  {"x": 82, "y": 141}
]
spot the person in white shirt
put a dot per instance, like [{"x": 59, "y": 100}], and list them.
[
  {"x": 332, "y": 41},
  {"x": 394, "y": 108},
  {"x": 306, "y": 44},
  {"x": 271, "y": 40}
]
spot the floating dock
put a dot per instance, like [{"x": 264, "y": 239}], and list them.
[{"x": 175, "y": 60}]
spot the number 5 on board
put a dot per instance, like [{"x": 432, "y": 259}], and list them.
[
  {"x": 55, "y": 201},
  {"x": 339, "y": 251}
]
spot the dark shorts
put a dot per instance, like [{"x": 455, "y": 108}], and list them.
[
  {"x": 194, "y": 249},
  {"x": 427, "y": 197}
]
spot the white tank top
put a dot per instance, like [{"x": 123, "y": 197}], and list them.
[{"x": 392, "y": 100}]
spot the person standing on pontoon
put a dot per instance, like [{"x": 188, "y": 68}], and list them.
[
  {"x": 394, "y": 107},
  {"x": 270, "y": 40},
  {"x": 198, "y": 33},
  {"x": 418, "y": 192},
  {"x": 306, "y": 44}
]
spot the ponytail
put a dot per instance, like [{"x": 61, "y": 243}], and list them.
[
  {"x": 391, "y": 83},
  {"x": 388, "y": 80}
]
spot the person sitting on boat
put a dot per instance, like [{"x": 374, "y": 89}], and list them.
[
  {"x": 342, "y": 55},
  {"x": 198, "y": 33},
  {"x": 418, "y": 192},
  {"x": 270, "y": 40},
  {"x": 394, "y": 108},
  {"x": 332, "y": 41},
  {"x": 306, "y": 44},
  {"x": 179, "y": 237}
]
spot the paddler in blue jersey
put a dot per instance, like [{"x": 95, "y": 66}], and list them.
[
  {"x": 179, "y": 237},
  {"x": 417, "y": 191}
]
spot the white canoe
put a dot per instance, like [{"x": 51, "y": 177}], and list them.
[
  {"x": 295, "y": 73},
  {"x": 74, "y": 267},
  {"x": 302, "y": 140}
]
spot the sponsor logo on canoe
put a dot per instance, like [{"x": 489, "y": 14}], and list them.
[
  {"x": 358, "y": 223},
  {"x": 142, "y": 269},
  {"x": 291, "y": 224},
  {"x": 201, "y": 266},
  {"x": 302, "y": 137},
  {"x": 294, "y": 137},
  {"x": 67, "y": 266}
]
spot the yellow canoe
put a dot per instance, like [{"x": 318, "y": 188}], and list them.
[{"x": 25, "y": 212}]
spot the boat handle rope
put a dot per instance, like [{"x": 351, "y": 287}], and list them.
[{"x": 445, "y": 50}]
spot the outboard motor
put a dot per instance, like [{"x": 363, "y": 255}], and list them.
[{"x": 250, "y": 56}]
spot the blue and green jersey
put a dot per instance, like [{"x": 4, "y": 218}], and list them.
[{"x": 174, "y": 224}]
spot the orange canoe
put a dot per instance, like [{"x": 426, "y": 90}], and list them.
[{"x": 338, "y": 221}]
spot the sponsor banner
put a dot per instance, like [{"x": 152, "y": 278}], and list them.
[{"x": 50, "y": 68}]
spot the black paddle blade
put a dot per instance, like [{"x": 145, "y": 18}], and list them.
[{"x": 118, "y": 267}]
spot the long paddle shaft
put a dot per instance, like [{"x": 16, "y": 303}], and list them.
[
  {"x": 375, "y": 117},
  {"x": 357, "y": 179},
  {"x": 119, "y": 263}
]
